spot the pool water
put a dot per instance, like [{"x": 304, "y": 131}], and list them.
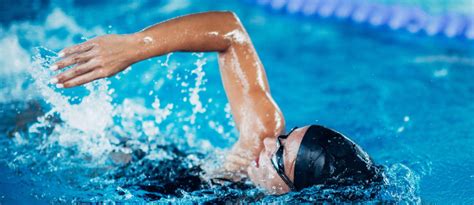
[{"x": 406, "y": 99}]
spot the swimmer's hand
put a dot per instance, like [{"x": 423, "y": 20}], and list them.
[{"x": 100, "y": 57}]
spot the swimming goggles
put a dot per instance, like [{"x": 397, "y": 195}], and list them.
[{"x": 277, "y": 160}]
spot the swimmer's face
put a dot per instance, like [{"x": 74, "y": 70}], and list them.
[{"x": 264, "y": 175}]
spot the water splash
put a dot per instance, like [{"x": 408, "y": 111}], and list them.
[
  {"x": 194, "y": 92},
  {"x": 97, "y": 148},
  {"x": 12, "y": 71},
  {"x": 119, "y": 137}
]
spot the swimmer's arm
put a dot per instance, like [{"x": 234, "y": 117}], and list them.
[
  {"x": 107, "y": 55},
  {"x": 256, "y": 114}
]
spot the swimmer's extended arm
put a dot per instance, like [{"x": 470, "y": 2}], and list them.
[{"x": 256, "y": 114}]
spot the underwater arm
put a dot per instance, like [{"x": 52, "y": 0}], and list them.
[{"x": 256, "y": 114}]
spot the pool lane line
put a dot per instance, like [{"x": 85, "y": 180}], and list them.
[{"x": 394, "y": 17}]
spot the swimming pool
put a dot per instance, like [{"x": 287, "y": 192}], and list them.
[{"x": 407, "y": 99}]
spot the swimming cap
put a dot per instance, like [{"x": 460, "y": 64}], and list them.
[{"x": 326, "y": 157}]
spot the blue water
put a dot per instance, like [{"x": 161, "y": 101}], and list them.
[{"x": 406, "y": 99}]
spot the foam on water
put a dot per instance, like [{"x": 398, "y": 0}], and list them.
[
  {"x": 13, "y": 66},
  {"x": 88, "y": 122}
]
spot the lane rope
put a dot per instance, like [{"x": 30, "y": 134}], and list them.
[{"x": 393, "y": 17}]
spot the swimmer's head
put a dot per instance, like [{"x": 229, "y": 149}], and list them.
[{"x": 308, "y": 156}]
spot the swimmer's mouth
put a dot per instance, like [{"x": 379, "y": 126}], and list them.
[{"x": 257, "y": 161}]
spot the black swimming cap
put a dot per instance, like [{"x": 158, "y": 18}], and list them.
[{"x": 326, "y": 157}]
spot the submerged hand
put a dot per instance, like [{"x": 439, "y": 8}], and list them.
[{"x": 97, "y": 58}]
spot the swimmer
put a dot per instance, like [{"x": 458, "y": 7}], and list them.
[{"x": 275, "y": 161}]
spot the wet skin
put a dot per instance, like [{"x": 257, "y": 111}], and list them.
[
  {"x": 262, "y": 171},
  {"x": 257, "y": 116}
]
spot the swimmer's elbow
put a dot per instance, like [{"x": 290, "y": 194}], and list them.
[
  {"x": 223, "y": 16},
  {"x": 232, "y": 18},
  {"x": 231, "y": 15},
  {"x": 230, "y": 29}
]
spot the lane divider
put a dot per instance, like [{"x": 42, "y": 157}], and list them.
[{"x": 393, "y": 17}]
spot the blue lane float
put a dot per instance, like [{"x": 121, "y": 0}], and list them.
[{"x": 394, "y": 17}]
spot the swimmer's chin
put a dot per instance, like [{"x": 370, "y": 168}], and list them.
[{"x": 264, "y": 185}]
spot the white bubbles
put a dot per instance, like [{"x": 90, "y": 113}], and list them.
[
  {"x": 406, "y": 119},
  {"x": 440, "y": 73},
  {"x": 126, "y": 193},
  {"x": 403, "y": 184},
  {"x": 161, "y": 113},
  {"x": 194, "y": 98},
  {"x": 216, "y": 126},
  {"x": 400, "y": 129},
  {"x": 150, "y": 129},
  {"x": 171, "y": 66}
]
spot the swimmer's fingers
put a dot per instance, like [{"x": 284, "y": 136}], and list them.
[
  {"x": 81, "y": 80},
  {"x": 79, "y": 48},
  {"x": 72, "y": 59},
  {"x": 74, "y": 72}
]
